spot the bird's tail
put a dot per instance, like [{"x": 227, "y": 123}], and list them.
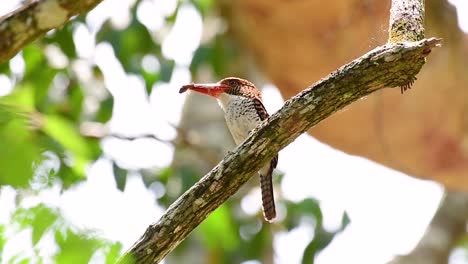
[{"x": 268, "y": 198}]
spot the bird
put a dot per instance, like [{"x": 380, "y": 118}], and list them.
[{"x": 243, "y": 112}]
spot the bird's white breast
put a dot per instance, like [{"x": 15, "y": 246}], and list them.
[{"x": 240, "y": 114}]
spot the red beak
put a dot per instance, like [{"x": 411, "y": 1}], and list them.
[{"x": 211, "y": 89}]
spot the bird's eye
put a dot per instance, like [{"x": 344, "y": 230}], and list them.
[{"x": 232, "y": 83}]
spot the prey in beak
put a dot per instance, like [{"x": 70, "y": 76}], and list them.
[{"x": 211, "y": 89}]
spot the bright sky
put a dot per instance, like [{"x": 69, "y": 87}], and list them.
[{"x": 387, "y": 217}]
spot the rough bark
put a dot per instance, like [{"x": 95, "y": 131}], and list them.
[
  {"x": 28, "y": 23},
  {"x": 391, "y": 65},
  {"x": 446, "y": 228},
  {"x": 406, "y": 21},
  {"x": 422, "y": 134}
]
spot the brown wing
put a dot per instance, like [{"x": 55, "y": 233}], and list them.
[
  {"x": 266, "y": 181},
  {"x": 263, "y": 114}
]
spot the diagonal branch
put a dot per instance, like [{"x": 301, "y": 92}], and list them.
[
  {"x": 28, "y": 23},
  {"x": 391, "y": 65}
]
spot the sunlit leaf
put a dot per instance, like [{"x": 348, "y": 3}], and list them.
[
  {"x": 21, "y": 99},
  {"x": 219, "y": 222},
  {"x": 34, "y": 60},
  {"x": 74, "y": 248},
  {"x": 112, "y": 252},
  {"x": 20, "y": 259},
  {"x": 16, "y": 163},
  {"x": 7, "y": 114},
  {"x": 2, "y": 239},
  {"x": 65, "y": 132},
  {"x": 70, "y": 175},
  {"x": 42, "y": 81},
  {"x": 40, "y": 218}
]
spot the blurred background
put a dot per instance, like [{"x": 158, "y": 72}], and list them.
[{"x": 96, "y": 142}]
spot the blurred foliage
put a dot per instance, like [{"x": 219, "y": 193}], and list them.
[
  {"x": 47, "y": 225},
  {"x": 43, "y": 146}
]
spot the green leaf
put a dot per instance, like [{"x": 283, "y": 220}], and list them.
[
  {"x": 130, "y": 44},
  {"x": 38, "y": 74},
  {"x": 344, "y": 221},
  {"x": 41, "y": 80},
  {"x": 40, "y": 218},
  {"x": 75, "y": 100},
  {"x": 65, "y": 132},
  {"x": 45, "y": 217},
  {"x": 215, "y": 54},
  {"x": 16, "y": 164},
  {"x": 320, "y": 241},
  {"x": 150, "y": 79},
  {"x": 21, "y": 99},
  {"x": 204, "y": 6},
  {"x": 7, "y": 114},
  {"x": 74, "y": 248},
  {"x": 120, "y": 176},
  {"x": 219, "y": 222},
  {"x": 70, "y": 175},
  {"x": 307, "y": 207},
  {"x": 201, "y": 56},
  {"x": 2, "y": 239},
  {"x": 113, "y": 253},
  {"x": 34, "y": 60},
  {"x": 5, "y": 67},
  {"x": 105, "y": 110},
  {"x": 167, "y": 67},
  {"x": 64, "y": 38}
]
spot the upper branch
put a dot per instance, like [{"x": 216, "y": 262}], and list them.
[
  {"x": 390, "y": 65},
  {"x": 24, "y": 25},
  {"x": 406, "y": 20}
]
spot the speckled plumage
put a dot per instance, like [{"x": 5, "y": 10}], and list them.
[{"x": 243, "y": 108}]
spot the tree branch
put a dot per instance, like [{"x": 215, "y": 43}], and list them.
[
  {"x": 406, "y": 21},
  {"x": 391, "y": 65},
  {"x": 26, "y": 24}
]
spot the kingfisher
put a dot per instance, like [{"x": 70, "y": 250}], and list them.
[{"x": 243, "y": 111}]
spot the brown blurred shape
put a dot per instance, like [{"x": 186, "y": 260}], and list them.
[{"x": 422, "y": 133}]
